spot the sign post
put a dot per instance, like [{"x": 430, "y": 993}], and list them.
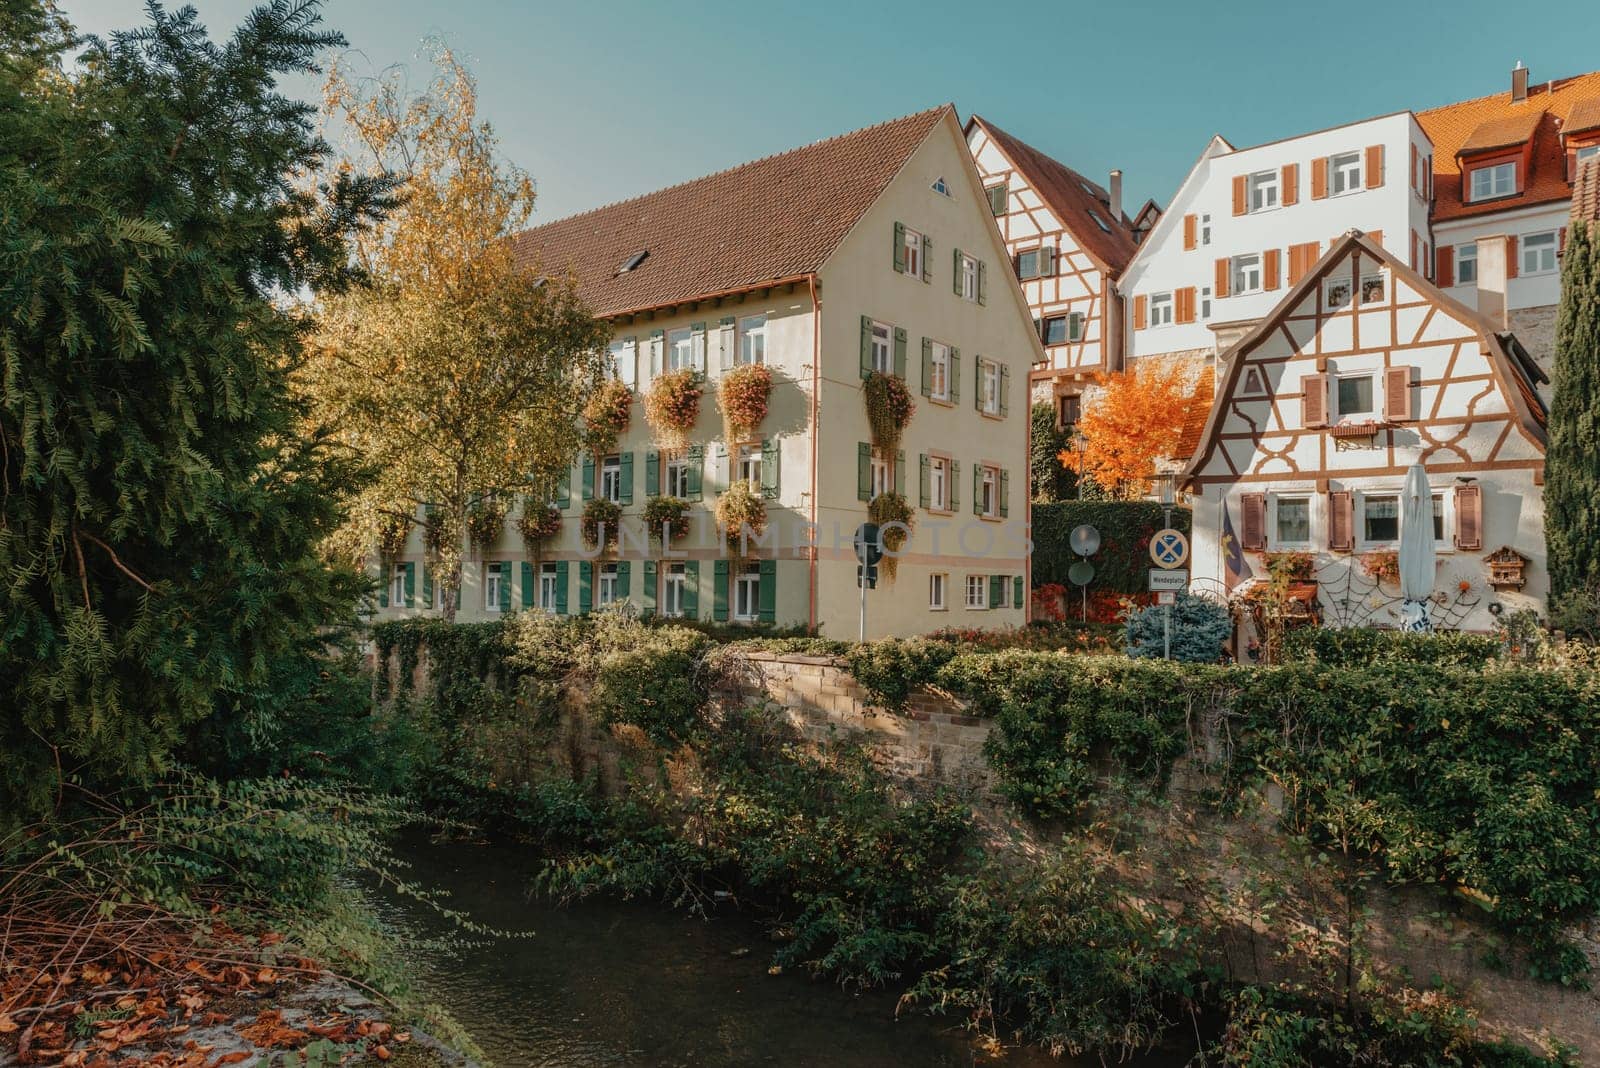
[
  {"x": 1169, "y": 549},
  {"x": 1085, "y": 541},
  {"x": 869, "y": 550}
]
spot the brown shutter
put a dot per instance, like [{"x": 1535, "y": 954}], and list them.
[
  {"x": 1413, "y": 166},
  {"x": 1241, "y": 195},
  {"x": 1511, "y": 256},
  {"x": 1301, "y": 259},
  {"x": 1469, "y": 516},
  {"x": 1341, "y": 521},
  {"x": 1374, "y": 166},
  {"x": 1313, "y": 400},
  {"x": 1253, "y": 521},
  {"x": 1414, "y": 264},
  {"x": 1444, "y": 271},
  {"x": 1141, "y": 305},
  {"x": 1561, "y": 241},
  {"x": 1185, "y": 300},
  {"x": 1377, "y": 237},
  {"x": 1397, "y": 395},
  {"x": 1319, "y": 178},
  {"x": 1223, "y": 276},
  {"x": 1269, "y": 268},
  {"x": 1291, "y": 184},
  {"x": 1190, "y": 228}
]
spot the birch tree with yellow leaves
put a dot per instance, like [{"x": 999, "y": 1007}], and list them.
[{"x": 456, "y": 373}]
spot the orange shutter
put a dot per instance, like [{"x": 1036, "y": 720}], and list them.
[
  {"x": 1219, "y": 283},
  {"x": 1511, "y": 256},
  {"x": 1469, "y": 516},
  {"x": 1319, "y": 178},
  {"x": 1269, "y": 268},
  {"x": 1374, "y": 166},
  {"x": 1253, "y": 521},
  {"x": 1341, "y": 521},
  {"x": 1189, "y": 230},
  {"x": 1301, "y": 259},
  {"x": 1241, "y": 195},
  {"x": 1185, "y": 301},
  {"x": 1313, "y": 400},
  {"x": 1141, "y": 306},
  {"x": 1291, "y": 184},
  {"x": 1377, "y": 237},
  {"x": 1561, "y": 242},
  {"x": 1413, "y": 166},
  {"x": 1397, "y": 395},
  {"x": 1444, "y": 271},
  {"x": 1414, "y": 264}
]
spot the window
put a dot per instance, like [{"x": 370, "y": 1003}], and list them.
[
  {"x": 753, "y": 339},
  {"x": 999, "y": 198},
  {"x": 977, "y": 591},
  {"x": 1588, "y": 152},
  {"x": 494, "y": 577},
  {"x": 1247, "y": 274},
  {"x": 1497, "y": 181},
  {"x": 672, "y": 587},
  {"x": 1252, "y": 383},
  {"x": 989, "y": 491},
  {"x": 883, "y": 348},
  {"x": 1372, "y": 289},
  {"x": 936, "y": 592},
  {"x": 1291, "y": 527},
  {"x": 938, "y": 370},
  {"x": 609, "y": 585},
  {"x": 1344, "y": 173},
  {"x": 549, "y": 585},
  {"x": 1380, "y": 518},
  {"x": 1205, "y": 302},
  {"x": 397, "y": 586},
  {"x": 611, "y": 478},
  {"x": 1263, "y": 190},
  {"x": 1035, "y": 263},
  {"x": 1060, "y": 329},
  {"x": 990, "y": 371},
  {"x": 969, "y": 278},
  {"x": 1354, "y": 395},
  {"x": 680, "y": 349},
  {"x": 1205, "y": 229},
  {"x": 619, "y": 359},
  {"x": 1438, "y": 518},
  {"x": 747, "y": 593},
  {"x": 911, "y": 254},
  {"x": 1338, "y": 294},
  {"x": 747, "y": 466},
  {"x": 1161, "y": 309},
  {"x": 940, "y": 186},
  {"x": 1070, "y": 409},
  {"x": 1099, "y": 221},
  {"x": 939, "y": 483},
  {"x": 1538, "y": 252},
  {"x": 633, "y": 261},
  {"x": 676, "y": 483},
  {"x": 1467, "y": 263},
  {"x": 882, "y": 476}
]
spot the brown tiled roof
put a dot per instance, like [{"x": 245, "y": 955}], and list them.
[
  {"x": 1064, "y": 192},
  {"x": 1194, "y": 422},
  {"x": 1503, "y": 132},
  {"x": 774, "y": 218},
  {"x": 1585, "y": 116},
  {"x": 1586, "y": 193},
  {"x": 1549, "y": 105}
]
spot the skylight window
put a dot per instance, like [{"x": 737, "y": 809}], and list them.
[
  {"x": 1100, "y": 222},
  {"x": 633, "y": 261}
]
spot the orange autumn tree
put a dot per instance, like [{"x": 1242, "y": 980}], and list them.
[{"x": 1135, "y": 422}]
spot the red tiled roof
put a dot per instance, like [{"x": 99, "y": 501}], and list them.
[
  {"x": 1584, "y": 118},
  {"x": 774, "y": 218},
  {"x": 1503, "y": 132},
  {"x": 1586, "y": 193},
  {"x": 1470, "y": 124},
  {"x": 1064, "y": 192},
  {"x": 1194, "y": 422}
]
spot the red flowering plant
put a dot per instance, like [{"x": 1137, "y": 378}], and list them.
[
  {"x": 889, "y": 408},
  {"x": 666, "y": 514},
  {"x": 606, "y": 415},
  {"x": 744, "y": 393},
  {"x": 1382, "y": 566},
  {"x": 673, "y": 406},
  {"x": 737, "y": 509},
  {"x": 601, "y": 516},
  {"x": 539, "y": 522}
]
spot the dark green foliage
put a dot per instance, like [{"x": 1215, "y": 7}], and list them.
[
  {"x": 1356, "y": 646},
  {"x": 1572, "y": 460},
  {"x": 162, "y": 506},
  {"x": 890, "y": 670},
  {"x": 1123, "y": 563},
  {"x": 1051, "y": 479},
  {"x": 1198, "y": 629}
]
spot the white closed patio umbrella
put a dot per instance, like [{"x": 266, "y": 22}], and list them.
[{"x": 1417, "y": 557}]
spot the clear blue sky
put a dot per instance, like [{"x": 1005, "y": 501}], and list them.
[{"x": 601, "y": 100}]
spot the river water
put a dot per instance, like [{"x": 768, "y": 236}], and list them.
[{"x": 637, "y": 984}]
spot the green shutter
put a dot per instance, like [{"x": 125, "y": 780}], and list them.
[
  {"x": 563, "y": 497},
  {"x": 997, "y": 591},
  {"x": 697, "y": 459},
  {"x": 977, "y": 383},
  {"x": 769, "y": 467},
  {"x": 1016, "y": 590},
  {"x": 504, "y": 569},
  {"x": 927, "y": 367},
  {"x": 983, "y": 282},
  {"x": 691, "y": 589},
  {"x": 924, "y": 479},
  {"x": 411, "y": 585},
  {"x": 952, "y": 375},
  {"x": 769, "y": 591},
  {"x": 652, "y": 474},
  {"x": 427, "y": 585},
  {"x": 955, "y": 482},
  {"x": 900, "y": 473},
  {"x": 658, "y": 350},
  {"x": 1005, "y": 388},
  {"x": 956, "y": 271},
  {"x": 719, "y": 591},
  {"x": 1005, "y": 493},
  {"x": 864, "y": 471},
  {"x": 385, "y": 577},
  {"x": 927, "y": 259},
  {"x": 977, "y": 489},
  {"x": 900, "y": 353},
  {"x": 561, "y": 587},
  {"x": 900, "y": 246},
  {"x": 647, "y": 590},
  {"x": 588, "y": 477},
  {"x": 627, "y": 478},
  {"x": 624, "y": 572},
  {"x": 585, "y": 587},
  {"x": 527, "y": 585},
  {"x": 866, "y": 346}
]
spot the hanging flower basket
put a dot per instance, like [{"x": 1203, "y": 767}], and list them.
[
  {"x": 393, "y": 530},
  {"x": 673, "y": 406},
  {"x": 1291, "y": 566},
  {"x": 486, "y": 518},
  {"x": 889, "y": 408},
  {"x": 601, "y": 514},
  {"x": 744, "y": 393},
  {"x": 538, "y": 522},
  {"x": 666, "y": 513},
  {"x": 1382, "y": 566},
  {"x": 606, "y": 415},
  {"x": 440, "y": 533},
  {"x": 884, "y": 509},
  {"x": 737, "y": 509}
]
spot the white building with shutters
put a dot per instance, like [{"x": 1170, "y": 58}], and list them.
[
  {"x": 874, "y": 252},
  {"x": 1361, "y": 370}
]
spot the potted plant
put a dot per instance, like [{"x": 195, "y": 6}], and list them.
[
  {"x": 1355, "y": 430},
  {"x": 393, "y": 530},
  {"x": 669, "y": 515},
  {"x": 1381, "y": 566},
  {"x": 486, "y": 518},
  {"x": 539, "y": 522},
  {"x": 744, "y": 393},
  {"x": 888, "y": 508},
  {"x": 601, "y": 517},
  {"x": 738, "y": 509},
  {"x": 889, "y": 408},
  {"x": 673, "y": 406},
  {"x": 606, "y": 415}
]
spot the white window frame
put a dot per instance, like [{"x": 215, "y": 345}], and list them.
[
  {"x": 1377, "y": 401},
  {"x": 674, "y": 583},
  {"x": 1344, "y": 173},
  {"x": 1264, "y": 191},
  {"x": 680, "y": 349},
  {"x": 939, "y": 371},
  {"x": 747, "y": 464},
  {"x": 493, "y": 575},
  {"x": 1037, "y": 253},
  {"x": 747, "y": 594},
  {"x": 939, "y": 479},
  {"x": 1499, "y": 180},
  {"x": 989, "y": 490},
  {"x": 990, "y": 376},
  {"x": 977, "y": 592},
  {"x": 1540, "y": 258},
  {"x": 605, "y": 587},
  {"x": 1445, "y": 542},
  {"x": 937, "y": 583},
  {"x": 969, "y": 278},
  {"x": 549, "y": 587},
  {"x": 882, "y": 475},
  {"x": 1161, "y": 309},
  {"x": 1330, "y": 294},
  {"x": 1368, "y": 281},
  {"x": 622, "y": 358},
  {"x": 1363, "y": 497},
  {"x": 911, "y": 249},
  {"x": 397, "y": 586},
  {"x": 1586, "y": 152},
  {"x": 752, "y": 340},
  {"x": 882, "y": 348},
  {"x": 1247, "y": 276},
  {"x": 1281, "y": 544},
  {"x": 1205, "y": 229},
  {"x": 611, "y": 478},
  {"x": 1205, "y": 302},
  {"x": 675, "y": 476},
  {"x": 1466, "y": 254}
]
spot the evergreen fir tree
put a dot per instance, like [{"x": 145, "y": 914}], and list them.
[
  {"x": 1572, "y": 459},
  {"x": 160, "y": 509}
]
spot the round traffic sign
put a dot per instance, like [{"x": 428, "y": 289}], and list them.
[
  {"x": 1169, "y": 548},
  {"x": 1084, "y": 540},
  {"x": 1081, "y": 573}
]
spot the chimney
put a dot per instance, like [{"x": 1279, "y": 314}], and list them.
[
  {"x": 1493, "y": 255},
  {"x": 1116, "y": 198},
  {"x": 1519, "y": 83}
]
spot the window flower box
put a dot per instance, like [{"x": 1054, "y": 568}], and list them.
[{"x": 1362, "y": 431}]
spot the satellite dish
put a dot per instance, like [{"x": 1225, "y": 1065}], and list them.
[
  {"x": 1085, "y": 541},
  {"x": 1081, "y": 573}
]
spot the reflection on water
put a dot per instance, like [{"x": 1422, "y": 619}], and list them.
[{"x": 606, "y": 983}]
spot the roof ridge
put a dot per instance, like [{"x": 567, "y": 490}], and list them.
[
  {"x": 735, "y": 167},
  {"x": 1547, "y": 83},
  {"x": 1035, "y": 148}
]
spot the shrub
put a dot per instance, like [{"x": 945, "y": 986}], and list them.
[
  {"x": 651, "y": 677},
  {"x": 1052, "y": 480},
  {"x": 889, "y": 670},
  {"x": 1123, "y": 562},
  {"x": 1362, "y": 646},
  {"x": 673, "y": 406},
  {"x": 1199, "y": 628}
]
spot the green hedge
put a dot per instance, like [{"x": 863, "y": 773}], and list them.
[
  {"x": 1357, "y": 646},
  {"x": 1123, "y": 563}
]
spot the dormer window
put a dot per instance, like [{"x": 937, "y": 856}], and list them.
[
  {"x": 633, "y": 261},
  {"x": 1588, "y": 152},
  {"x": 1499, "y": 180}
]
